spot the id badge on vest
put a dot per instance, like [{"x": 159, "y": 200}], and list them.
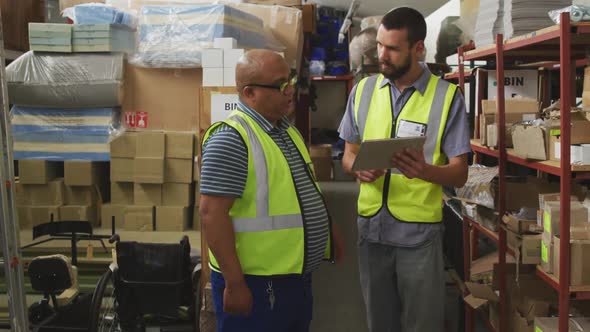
[{"x": 410, "y": 129}]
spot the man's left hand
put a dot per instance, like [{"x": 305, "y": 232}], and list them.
[{"x": 411, "y": 163}]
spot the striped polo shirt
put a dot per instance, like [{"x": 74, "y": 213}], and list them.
[{"x": 224, "y": 171}]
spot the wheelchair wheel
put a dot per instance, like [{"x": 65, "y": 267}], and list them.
[{"x": 103, "y": 317}]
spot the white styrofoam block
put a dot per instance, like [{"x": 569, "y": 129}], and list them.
[
  {"x": 585, "y": 154},
  {"x": 576, "y": 154},
  {"x": 229, "y": 76},
  {"x": 212, "y": 58},
  {"x": 225, "y": 43},
  {"x": 212, "y": 76},
  {"x": 231, "y": 57}
]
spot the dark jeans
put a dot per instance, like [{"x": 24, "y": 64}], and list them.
[{"x": 291, "y": 312}]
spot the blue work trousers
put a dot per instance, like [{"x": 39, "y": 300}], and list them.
[{"x": 290, "y": 311}]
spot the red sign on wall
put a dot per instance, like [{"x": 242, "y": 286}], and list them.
[{"x": 136, "y": 119}]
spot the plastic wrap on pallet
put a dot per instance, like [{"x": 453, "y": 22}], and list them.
[
  {"x": 66, "y": 80},
  {"x": 173, "y": 36},
  {"x": 363, "y": 48},
  {"x": 478, "y": 189},
  {"x": 578, "y": 13},
  {"x": 64, "y": 134},
  {"x": 96, "y": 13}
]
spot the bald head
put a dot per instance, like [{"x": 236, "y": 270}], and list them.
[{"x": 255, "y": 65}]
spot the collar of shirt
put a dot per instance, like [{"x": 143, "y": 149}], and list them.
[
  {"x": 420, "y": 84},
  {"x": 283, "y": 123}
]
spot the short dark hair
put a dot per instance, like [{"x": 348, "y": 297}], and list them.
[{"x": 409, "y": 18}]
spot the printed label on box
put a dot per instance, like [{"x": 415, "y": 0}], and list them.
[
  {"x": 547, "y": 222},
  {"x": 136, "y": 119},
  {"x": 222, "y": 105},
  {"x": 544, "y": 253}
]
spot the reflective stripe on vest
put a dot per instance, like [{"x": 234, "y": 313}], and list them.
[
  {"x": 263, "y": 222},
  {"x": 411, "y": 200}
]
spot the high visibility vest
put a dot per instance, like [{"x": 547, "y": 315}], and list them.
[
  {"x": 267, "y": 219},
  {"x": 409, "y": 200}
]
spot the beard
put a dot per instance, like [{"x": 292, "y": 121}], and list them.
[{"x": 395, "y": 72}]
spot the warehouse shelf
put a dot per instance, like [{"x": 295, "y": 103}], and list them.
[
  {"x": 332, "y": 78},
  {"x": 543, "y": 45},
  {"x": 490, "y": 234},
  {"x": 565, "y": 46},
  {"x": 547, "y": 166},
  {"x": 455, "y": 75}
]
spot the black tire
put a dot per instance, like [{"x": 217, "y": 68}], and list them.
[{"x": 103, "y": 316}]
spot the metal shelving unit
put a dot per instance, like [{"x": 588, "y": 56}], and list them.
[{"x": 564, "y": 44}]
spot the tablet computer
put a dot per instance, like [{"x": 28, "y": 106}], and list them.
[{"x": 377, "y": 154}]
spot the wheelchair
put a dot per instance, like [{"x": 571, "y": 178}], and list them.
[{"x": 148, "y": 285}]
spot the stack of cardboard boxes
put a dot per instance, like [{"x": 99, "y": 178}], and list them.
[
  {"x": 579, "y": 239},
  {"x": 43, "y": 195},
  {"x": 151, "y": 181},
  {"x": 219, "y": 63},
  {"x": 86, "y": 185}
]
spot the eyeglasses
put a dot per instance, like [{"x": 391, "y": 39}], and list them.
[{"x": 282, "y": 87}]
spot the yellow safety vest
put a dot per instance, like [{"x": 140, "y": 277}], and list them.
[
  {"x": 409, "y": 200},
  {"x": 267, "y": 219}
]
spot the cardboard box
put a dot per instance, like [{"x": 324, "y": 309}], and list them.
[
  {"x": 63, "y": 4},
  {"x": 149, "y": 170},
  {"x": 580, "y": 128},
  {"x": 79, "y": 195},
  {"x": 124, "y": 146},
  {"x": 176, "y": 194},
  {"x": 520, "y": 226},
  {"x": 178, "y": 171},
  {"x": 522, "y": 106},
  {"x": 151, "y": 144},
  {"x": 275, "y": 2},
  {"x": 41, "y": 194},
  {"x": 171, "y": 218},
  {"x": 579, "y": 261},
  {"x": 229, "y": 76},
  {"x": 85, "y": 173},
  {"x": 231, "y": 57},
  {"x": 321, "y": 156},
  {"x": 147, "y": 194},
  {"x": 531, "y": 142},
  {"x": 169, "y": 98},
  {"x": 530, "y": 249},
  {"x": 197, "y": 196},
  {"x": 180, "y": 145},
  {"x": 138, "y": 218},
  {"x": 551, "y": 324},
  {"x": 308, "y": 11},
  {"x": 225, "y": 43},
  {"x": 32, "y": 171},
  {"x": 212, "y": 58},
  {"x": 122, "y": 170},
  {"x": 79, "y": 213},
  {"x": 480, "y": 295},
  {"x": 553, "y": 197},
  {"x": 212, "y": 77},
  {"x": 43, "y": 214},
  {"x": 122, "y": 193},
  {"x": 286, "y": 25},
  {"x": 546, "y": 255},
  {"x": 24, "y": 217},
  {"x": 578, "y": 215},
  {"x": 110, "y": 211}
]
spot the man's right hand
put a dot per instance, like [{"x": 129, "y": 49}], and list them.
[
  {"x": 237, "y": 299},
  {"x": 370, "y": 176}
]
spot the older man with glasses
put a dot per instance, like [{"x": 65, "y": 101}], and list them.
[{"x": 266, "y": 222}]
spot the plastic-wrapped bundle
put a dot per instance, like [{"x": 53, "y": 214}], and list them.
[
  {"x": 64, "y": 134},
  {"x": 363, "y": 48},
  {"x": 66, "y": 81},
  {"x": 173, "y": 36},
  {"x": 96, "y": 13}
]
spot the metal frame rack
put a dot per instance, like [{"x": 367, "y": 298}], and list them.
[
  {"x": 9, "y": 230},
  {"x": 564, "y": 44}
]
